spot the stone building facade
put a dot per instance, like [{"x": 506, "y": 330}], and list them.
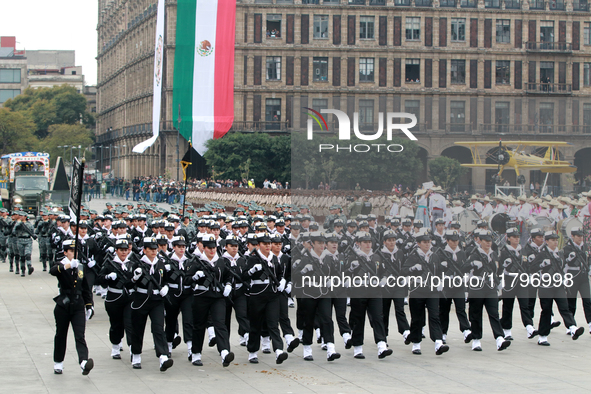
[{"x": 469, "y": 70}]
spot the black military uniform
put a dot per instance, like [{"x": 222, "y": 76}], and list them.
[
  {"x": 513, "y": 265},
  {"x": 180, "y": 297},
  {"x": 530, "y": 252},
  {"x": 482, "y": 292},
  {"x": 422, "y": 264},
  {"x": 264, "y": 274},
  {"x": 451, "y": 262},
  {"x": 211, "y": 283},
  {"x": 148, "y": 300},
  {"x": 577, "y": 263},
  {"x": 551, "y": 262},
  {"x": 73, "y": 306},
  {"x": 392, "y": 261},
  {"x": 315, "y": 301}
]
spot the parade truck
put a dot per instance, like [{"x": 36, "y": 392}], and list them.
[{"x": 24, "y": 178}]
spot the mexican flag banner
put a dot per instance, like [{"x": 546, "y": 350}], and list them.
[{"x": 203, "y": 90}]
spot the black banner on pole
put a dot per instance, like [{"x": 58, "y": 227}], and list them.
[{"x": 76, "y": 195}]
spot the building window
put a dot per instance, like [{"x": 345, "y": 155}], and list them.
[
  {"x": 413, "y": 70},
  {"x": 320, "y": 26},
  {"x": 504, "y": 30},
  {"x": 6, "y": 94},
  {"x": 366, "y": 27},
  {"x": 492, "y": 3},
  {"x": 513, "y": 4},
  {"x": 458, "y": 71},
  {"x": 556, "y": 4},
  {"x": 273, "y": 68},
  {"x": 413, "y": 28},
  {"x": 503, "y": 72},
  {"x": 536, "y": 4},
  {"x": 587, "y": 74},
  {"x": 366, "y": 115},
  {"x": 468, "y": 3},
  {"x": 546, "y": 117},
  {"x": 320, "y": 65},
  {"x": 587, "y": 33},
  {"x": 587, "y": 118},
  {"x": 413, "y": 107},
  {"x": 273, "y": 25},
  {"x": 366, "y": 69},
  {"x": 457, "y": 112},
  {"x": 10, "y": 75},
  {"x": 318, "y": 105},
  {"x": 547, "y": 72},
  {"x": 447, "y": 3},
  {"x": 402, "y": 2},
  {"x": 273, "y": 114},
  {"x": 502, "y": 116},
  {"x": 546, "y": 32},
  {"x": 458, "y": 29}
]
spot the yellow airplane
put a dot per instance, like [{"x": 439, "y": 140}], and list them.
[{"x": 512, "y": 154}]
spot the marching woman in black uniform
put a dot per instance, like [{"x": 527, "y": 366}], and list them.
[
  {"x": 512, "y": 268},
  {"x": 359, "y": 264},
  {"x": 148, "y": 300},
  {"x": 73, "y": 306},
  {"x": 550, "y": 262},
  {"x": 450, "y": 259},
  {"x": 180, "y": 295},
  {"x": 89, "y": 249},
  {"x": 211, "y": 282},
  {"x": 236, "y": 264},
  {"x": 264, "y": 273},
  {"x": 576, "y": 255},
  {"x": 115, "y": 276},
  {"x": 483, "y": 265},
  {"x": 421, "y": 263},
  {"x": 315, "y": 301},
  {"x": 392, "y": 259}
]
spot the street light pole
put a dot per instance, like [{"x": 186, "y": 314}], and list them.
[{"x": 110, "y": 161}]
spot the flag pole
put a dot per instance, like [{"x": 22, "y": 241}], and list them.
[{"x": 185, "y": 163}]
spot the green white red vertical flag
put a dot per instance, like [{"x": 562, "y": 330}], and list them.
[
  {"x": 203, "y": 89},
  {"x": 158, "y": 71}
]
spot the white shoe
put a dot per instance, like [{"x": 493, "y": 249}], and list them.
[
  {"x": 300, "y": 334},
  {"x": 169, "y": 347},
  {"x": 116, "y": 351},
  {"x": 136, "y": 359},
  {"x": 507, "y": 333},
  {"x": 405, "y": 334},
  {"x": 266, "y": 344},
  {"x": 318, "y": 335},
  {"x": 346, "y": 338},
  {"x": 58, "y": 367},
  {"x": 444, "y": 338},
  {"x": 307, "y": 352},
  {"x": 476, "y": 344},
  {"x": 210, "y": 333}
]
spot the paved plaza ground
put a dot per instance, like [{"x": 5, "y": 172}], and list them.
[{"x": 27, "y": 328}]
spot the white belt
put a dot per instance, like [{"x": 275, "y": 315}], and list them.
[
  {"x": 259, "y": 282},
  {"x": 238, "y": 285},
  {"x": 145, "y": 291},
  {"x": 199, "y": 287},
  {"x": 116, "y": 291},
  {"x": 173, "y": 285}
]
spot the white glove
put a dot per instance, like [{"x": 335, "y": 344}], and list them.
[
  {"x": 164, "y": 291},
  {"x": 307, "y": 268},
  {"x": 281, "y": 286},
  {"x": 198, "y": 275},
  {"x": 545, "y": 263},
  {"x": 112, "y": 276},
  {"x": 507, "y": 262},
  {"x": 416, "y": 267},
  {"x": 444, "y": 264},
  {"x": 167, "y": 267},
  {"x": 136, "y": 274},
  {"x": 89, "y": 313},
  {"x": 571, "y": 256},
  {"x": 91, "y": 263},
  {"x": 227, "y": 290},
  {"x": 288, "y": 288},
  {"x": 255, "y": 268},
  {"x": 531, "y": 257},
  {"x": 354, "y": 265},
  {"x": 57, "y": 239},
  {"x": 383, "y": 282},
  {"x": 111, "y": 249},
  {"x": 477, "y": 264},
  {"x": 74, "y": 264}
]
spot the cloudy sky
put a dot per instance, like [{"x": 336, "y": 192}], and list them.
[{"x": 61, "y": 24}]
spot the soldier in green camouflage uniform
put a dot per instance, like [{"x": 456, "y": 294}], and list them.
[
  {"x": 22, "y": 232},
  {"x": 3, "y": 235},
  {"x": 42, "y": 230},
  {"x": 13, "y": 255}
]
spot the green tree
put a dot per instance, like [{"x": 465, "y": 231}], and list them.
[
  {"x": 16, "y": 132},
  {"x": 48, "y": 106},
  {"x": 269, "y": 156},
  {"x": 70, "y": 135},
  {"x": 445, "y": 171}
]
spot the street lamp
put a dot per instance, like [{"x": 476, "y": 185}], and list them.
[{"x": 63, "y": 146}]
